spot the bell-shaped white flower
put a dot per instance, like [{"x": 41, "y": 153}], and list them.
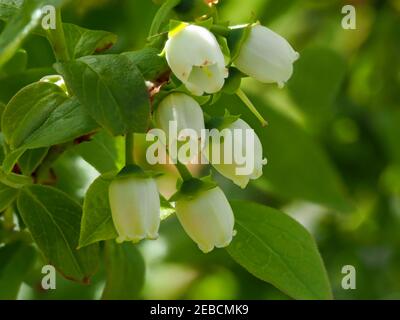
[
  {"x": 135, "y": 207},
  {"x": 238, "y": 155},
  {"x": 181, "y": 119},
  {"x": 183, "y": 110},
  {"x": 266, "y": 56},
  {"x": 196, "y": 59},
  {"x": 207, "y": 218}
]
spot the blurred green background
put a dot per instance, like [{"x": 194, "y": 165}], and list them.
[{"x": 333, "y": 146}]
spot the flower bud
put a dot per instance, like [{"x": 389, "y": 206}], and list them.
[
  {"x": 57, "y": 80},
  {"x": 135, "y": 207},
  {"x": 196, "y": 59},
  {"x": 207, "y": 218},
  {"x": 182, "y": 109},
  {"x": 240, "y": 153},
  {"x": 266, "y": 56}
]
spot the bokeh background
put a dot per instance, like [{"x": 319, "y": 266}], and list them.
[{"x": 333, "y": 146}]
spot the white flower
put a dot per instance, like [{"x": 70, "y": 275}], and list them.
[
  {"x": 240, "y": 153},
  {"x": 135, "y": 207},
  {"x": 196, "y": 59},
  {"x": 266, "y": 56},
  {"x": 182, "y": 109},
  {"x": 207, "y": 218}
]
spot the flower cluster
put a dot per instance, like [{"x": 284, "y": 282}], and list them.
[{"x": 201, "y": 67}]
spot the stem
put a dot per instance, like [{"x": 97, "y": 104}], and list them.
[
  {"x": 251, "y": 107},
  {"x": 42, "y": 172},
  {"x": 57, "y": 39},
  {"x": 9, "y": 219},
  {"x": 220, "y": 30},
  {"x": 129, "y": 149},
  {"x": 183, "y": 171}
]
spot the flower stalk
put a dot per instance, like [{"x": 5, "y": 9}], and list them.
[
  {"x": 242, "y": 96},
  {"x": 129, "y": 149},
  {"x": 57, "y": 39}
]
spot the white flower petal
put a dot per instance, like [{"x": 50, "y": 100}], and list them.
[
  {"x": 229, "y": 170},
  {"x": 191, "y": 48},
  {"x": 183, "y": 109},
  {"x": 266, "y": 56},
  {"x": 207, "y": 219},
  {"x": 135, "y": 207}
]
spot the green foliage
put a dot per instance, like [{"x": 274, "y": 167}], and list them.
[
  {"x": 65, "y": 123},
  {"x": 162, "y": 16},
  {"x": 31, "y": 160},
  {"x": 329, "y": 68},
  {"x": 296, "y": 171},
  {"x": 112, "y": 90},
  {"x": 54, "y": 222},
  {"x": 104, "y": 152},
  {"x": 20, "y": 25},
  {"x": 16, "y": 64},
  {"x": 7, "y": 196},
  {"x": 125, "y": 272},
  {"x": 277, "y": 249},
  {"x": 14, "y": 180},
  {"x": 332, "y": 140},
  {"x": 149, "y": 62},
  {"x": 9, "y": 8},
  {"x": 17, "y": 260},
  {"x": 84, "y": 42},
  {"x": 97, "y": 224},
  {"x": 28, "y": 110}
]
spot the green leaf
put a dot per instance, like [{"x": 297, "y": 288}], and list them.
[
  {"x": 97, "y": 223},
  {"x": 66, "y": 123},
  {"x": 189, "y": 188},
  {"x": 149, "y": 62},
  {"x": 17, "y": 64},
  {"x": 275, "y": 9},
  {"x": 329, "y": 68},
  {"x": 28, "y": 110},
  {"x": 73, "y": 175},
  {"x": 7, "y": 196},
  {"x": 84, "y": 42},
  {"x": 125, "y": 272},
  {"x": 277, "y": 249},
  {"x": 300, "y": 170},
  {"x": 386, "y": 124},
  {"x": 166, "y": 208},
  {"x": 112, "y": 90},
  {"x": 17, "y": 260},
  {"x": 31, "y": 159},
  {"x": 11, "y": 84},
  {"x": 162, "y": 16},
  {"x": 9, "y": 8},
  {"x": 54, "y": 220},
  {"x": 14, "y": 180},
  {"x": 2, "y": 108},
  {"x": 232, "y": 84},
  {"x": 11, "y": 159},
  {"x": 21, "y": 25},
  {"x": 41, "y": 115},
  {"x": 236, "y": 38},
  {"x": 104, "y": 152}
]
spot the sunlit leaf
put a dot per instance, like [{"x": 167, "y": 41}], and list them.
[{"x": 277, "y": 249}]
